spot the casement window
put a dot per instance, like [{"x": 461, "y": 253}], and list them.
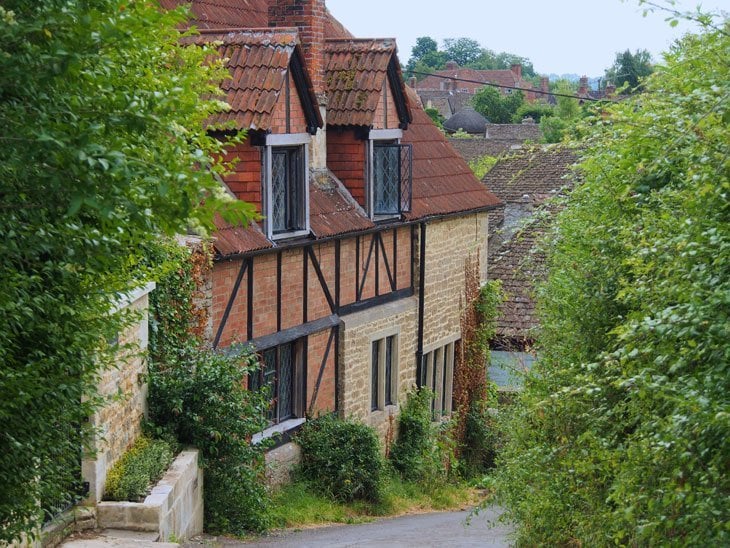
[
  {"x": 285, "y": 186},
  {"x": 436, "y": 372},
  {"x": 389, "y": 174},
  {"x": 384, "y": 372},
  {"x": 281, "y": 373}
]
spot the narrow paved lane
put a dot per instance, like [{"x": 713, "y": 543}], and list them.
[{"x": 439, "y": 529}]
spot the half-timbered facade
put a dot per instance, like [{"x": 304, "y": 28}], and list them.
[{"x": 350, "y": 286}]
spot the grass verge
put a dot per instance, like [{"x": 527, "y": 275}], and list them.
[{"x": 297, "y": 506}]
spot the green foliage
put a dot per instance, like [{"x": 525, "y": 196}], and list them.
[
  {"x": 482, "y": 164},
  {"x": 101, "y": 147},
  {"x": 536, "y": 110},
  {"x": 426, "y": 57},
  {"x": 435, "y": 116},
  {"x": 630, "y": 69},
  {"x": 341, "y": 458},
  {"x": 496, "y": 107},
  {"x": 138, "y": 469},
  {"x": 553, "y": 129},
  {"x": 416, "y": 452},
  {"x": 566, "y": 114},
  {"x": 622, "y": 435},
  {"x": 198, "y": 396}
]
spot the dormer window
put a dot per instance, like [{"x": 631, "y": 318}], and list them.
[
  {"x": 285, "y": 188},
  {"x": 389, "y": 174}
]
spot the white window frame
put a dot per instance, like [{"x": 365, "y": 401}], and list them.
[
  {"x": 287, "y": 140},
  {"x": 444, "y": 373},
  {"x": 374, "y": 136},
  {"x": 381, "y": 339}
]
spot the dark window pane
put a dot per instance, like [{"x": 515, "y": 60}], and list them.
[
  {"x": 389, "y": 356},
  {"x": 279, "y": 176},
  {"x": 375, "y": 375},
  {"x": 386, "y": 179},
  {"x": 287, "y": 193},
  {"x": 444, "y": 354},
  {"x": 285, "y": 385},
  {"x": 269, "y": 380}
]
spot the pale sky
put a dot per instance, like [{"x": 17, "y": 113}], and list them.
[{"x": 558, "y": 36}]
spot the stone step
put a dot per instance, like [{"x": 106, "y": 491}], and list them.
[{"x": 117, "y": 538}]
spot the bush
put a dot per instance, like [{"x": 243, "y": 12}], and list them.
[
  {"x": 481, "y": 440},
  {"x": 415, "y": 452},
  {"x": 341, "y": 458},
  {"x": 200, "y": 398},
  {"x": 140, "y": 467}
]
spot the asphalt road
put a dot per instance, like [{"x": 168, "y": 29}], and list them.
[{"x": 422, "y": 530}]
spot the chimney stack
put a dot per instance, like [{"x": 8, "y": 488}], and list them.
[
  {"x": 544, "y": 84},
  {"x": 452, "y": 65},
  {"x": 309, "y": 17},
  {"x": 583, "y": 85},
  {"x": 516, "y": 68},
  {"x": 412, "y": 82}
]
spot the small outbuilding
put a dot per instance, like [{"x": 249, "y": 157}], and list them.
[{"x": 468, "y": 120}]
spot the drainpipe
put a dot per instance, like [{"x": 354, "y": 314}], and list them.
[{"x": 421, "y": 299}]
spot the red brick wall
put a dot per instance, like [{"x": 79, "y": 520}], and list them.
[
  {"x": 386, "y": 115},
  {"x": 346, "y": 157},
  {"x": 297, "y": 120},
  {"x": 245, "y": 181}
]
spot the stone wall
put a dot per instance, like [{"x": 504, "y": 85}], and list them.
[
  {"x": 360, "y": 330},
  {"x": 448, "y": 243},
  {"x": 118, "y": 422}
]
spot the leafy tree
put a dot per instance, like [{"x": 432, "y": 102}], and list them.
[
  {"x": 622, "y": 436},
  {"x": 505, "y": 60},
  {"x": 630, "y": 69},
  {"x": 462, "y": 50},
  {"x": 567, "y": 112},
  {"x": 102, "y": 149},
  {"x": 536, "y": 110},
  {"x": 435, "y": 116},
  {"x": 495, "y": 107}
]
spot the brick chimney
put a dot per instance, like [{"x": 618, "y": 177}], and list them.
[
  {"x": 544, "y": 84},
  {"x": 610, "y": 90},
  {"x": 452, "y": 65},
  {"x": 309, "y": 17},
  {"x": 516, "y": 68},
  {"x": 412, "y": 82},
  {"x": 583, "y": 85}
]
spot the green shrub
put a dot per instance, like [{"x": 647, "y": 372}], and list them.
[
  {"x": 415, "y": 452},
  {"x": 341, "y": 458},
  {"x": 199, "y": 396},
  {"x": 138, "y": 469},
  {"x": 481, "y": 441}
]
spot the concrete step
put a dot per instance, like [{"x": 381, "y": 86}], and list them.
[{"x": 116, "y": 538}]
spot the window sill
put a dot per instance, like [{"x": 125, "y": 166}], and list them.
[
  {"x": 285, "y": 236},
  {"x": 280, "y": 428}
]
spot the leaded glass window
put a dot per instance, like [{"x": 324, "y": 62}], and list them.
[
  {"x": 287, "y": 189},
  {"x": 278, "y": 374}
]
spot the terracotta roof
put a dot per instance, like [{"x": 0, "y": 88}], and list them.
[
  {"x": 258, "y": 61},
  {"x": 442, "y": 181},
  {"x": 230, "y": 240},
  {"x": 526, "y": 181},
  {"x": 536, "y": 172},
  {"x": 355, "y": 72},
  {"x": 332, "y": 210},
  {"x": 518, "y": 133}
]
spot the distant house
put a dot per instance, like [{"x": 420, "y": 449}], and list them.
[
  {"x": 527, "y": 181},
  {"x": 451, "y": 89},
  {"x": 349, "y": 287}
]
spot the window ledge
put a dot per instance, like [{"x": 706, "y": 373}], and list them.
[{"x": 280, "y": 428}]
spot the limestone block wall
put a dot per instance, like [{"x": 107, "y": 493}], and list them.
[
  {"x": 448, "y": 243},
  {"x": 174, "y": 508},
  {"x": 360, "y": 330},
  {"x": 118, "y": 422}
]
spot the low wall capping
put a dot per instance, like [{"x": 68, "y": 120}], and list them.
[{"x": 174, "y": 508}]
